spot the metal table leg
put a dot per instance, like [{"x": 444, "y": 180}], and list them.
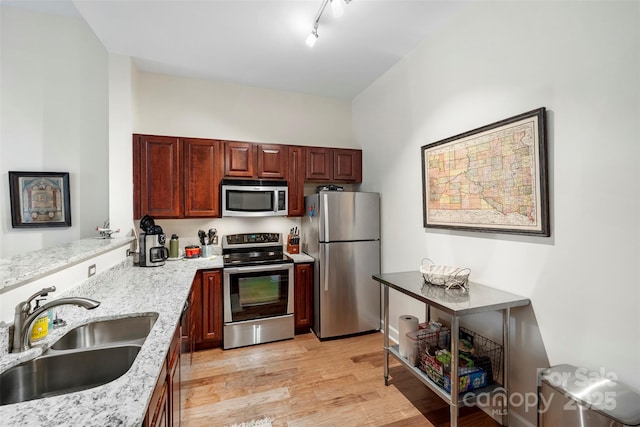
[
  {"x": 506, "y": 322},
  {"x": 455, "y": 382},
  {"x": 385, "y": 298}
]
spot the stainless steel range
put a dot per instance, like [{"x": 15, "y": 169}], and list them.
[{"x": 257, "y": 290}]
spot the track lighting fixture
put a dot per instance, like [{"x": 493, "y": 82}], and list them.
[
  {"x": 338, "y": 10},
  {"x": 311, "y": 38}
]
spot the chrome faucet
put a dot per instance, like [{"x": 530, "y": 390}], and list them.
[{"x": 24, "y": 317}]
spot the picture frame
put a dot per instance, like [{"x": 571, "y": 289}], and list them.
[
  {"x": 490, "y": 179},
  {"x": 39, "y": 199}
]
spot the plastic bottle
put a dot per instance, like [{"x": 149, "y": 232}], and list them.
[
  {"x": 174, "y": 246},
  {"x": 40, "y": 327}
]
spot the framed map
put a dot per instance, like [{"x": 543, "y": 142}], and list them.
[
  {"x": 490, "y": 179},
  {"x": 40, "y": 199}
]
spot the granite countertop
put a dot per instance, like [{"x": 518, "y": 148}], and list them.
[
  {"x": 123, "y": 290},
  {"x": 18, "y": 269},
  {"x": 300, "y": 258}
]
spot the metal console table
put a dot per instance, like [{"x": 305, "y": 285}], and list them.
[{"x": 479, "y": 299}]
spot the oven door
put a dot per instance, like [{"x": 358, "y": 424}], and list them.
[{"x": 257, "y": 292}]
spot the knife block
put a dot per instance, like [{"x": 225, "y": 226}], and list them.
[{"x": 293, "y": 248}]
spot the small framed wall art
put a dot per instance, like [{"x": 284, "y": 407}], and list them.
[
  {"x": 40, "y": 199},
  {"x": 490, "y": 179}
]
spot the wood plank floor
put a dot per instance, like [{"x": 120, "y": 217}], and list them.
[{"x": 306, "y": 382}]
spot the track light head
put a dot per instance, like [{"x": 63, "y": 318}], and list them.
[
  {"x": 337, "y": 8},
  {"x": 313, "y": 36}
]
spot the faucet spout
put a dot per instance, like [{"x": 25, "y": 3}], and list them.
[{"x": 23, "y": 325}]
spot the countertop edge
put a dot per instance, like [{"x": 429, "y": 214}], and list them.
[{"x": 21, "y": 269}]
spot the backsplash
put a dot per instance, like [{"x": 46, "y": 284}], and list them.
[{"x": 187, "y": 229}]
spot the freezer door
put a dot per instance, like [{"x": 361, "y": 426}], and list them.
[
  {"x": 348, "y": 216},
  {"x": 348, "y": 298}
]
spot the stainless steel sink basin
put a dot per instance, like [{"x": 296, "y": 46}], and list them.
[
  {"x": 55, "y": 374},
  {"x": 132, "y": 330}
]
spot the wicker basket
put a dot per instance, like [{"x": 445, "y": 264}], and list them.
[{"x": 444, "y": 276}]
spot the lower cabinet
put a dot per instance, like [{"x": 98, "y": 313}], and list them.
[
  {"x": 303, "y": 297},
  {"x": 164, "y": 408},
  {"x": 207, "y": 309}
]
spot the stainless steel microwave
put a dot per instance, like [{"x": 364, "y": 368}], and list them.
[{"x": 251, "y": 198}]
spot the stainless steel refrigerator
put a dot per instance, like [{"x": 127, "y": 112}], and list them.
[{"x": 341, "y": 230}]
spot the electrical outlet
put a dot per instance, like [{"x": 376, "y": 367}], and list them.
[{"x": 92, "y": 270}]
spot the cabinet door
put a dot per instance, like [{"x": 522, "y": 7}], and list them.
[
  {"x": 158, "y": 172},
  {"x": 158, "y": 410},
  {"x": 347, "y": 165},
  {"x": 296, "y": 181},
  {"x": 173, "y": 380},
  {"x": 318, "y": 164},
  {"x": 303, "y": 297},
  {"x": 202, "y": 163},
  {"x": 272, "y": 161},
  {"x": 239, "y": 159},
  {"x": 212, "y": 306}
]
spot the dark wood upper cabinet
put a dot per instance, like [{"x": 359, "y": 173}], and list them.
[
  {"x": 296, "y": 181},
  {"x": 272, "y": 161},
  {"x": 176, "y": 177},
  {"x": 239, "y": 159},
  {"x": 318, "y": 164},
  {"x": 258, "y": 161},
  {"x": 347, "y": 165},
  {"x": 333, "y": 164},
  {"x": 202, "y": 160},
  {"x": 158, "y": 181}
]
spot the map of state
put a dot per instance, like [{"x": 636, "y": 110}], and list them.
[{"x": 488, "y": 179}]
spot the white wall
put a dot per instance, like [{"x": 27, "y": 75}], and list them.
[
  {"x": 54, "y": 118},
  {"x": 167, "y": 105},
  {"x": 121, "y": 71},
  {"x": 580, "y": 60}
]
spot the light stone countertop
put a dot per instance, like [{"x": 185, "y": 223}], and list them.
[
  {"x": 29, "y": 266},
  {"x": 300, "y": 258},
  {"x": 123, "y": 290}
]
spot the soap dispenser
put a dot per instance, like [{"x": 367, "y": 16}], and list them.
[{"x": 41, "y": 324}]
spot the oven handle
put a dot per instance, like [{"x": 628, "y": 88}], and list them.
[{"x": 270, "y": 267}]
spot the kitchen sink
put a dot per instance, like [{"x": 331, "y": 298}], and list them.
[
  {"x": 55, "y": 374},
  {"x": 132, "y": 330}
]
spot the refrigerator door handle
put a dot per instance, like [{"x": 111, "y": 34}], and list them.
[{"x": 324, "y": 255}]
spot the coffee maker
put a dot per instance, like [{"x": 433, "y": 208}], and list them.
[{"x": 152, "y": 251}]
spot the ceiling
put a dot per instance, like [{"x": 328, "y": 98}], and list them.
[{"x": 261, "y": 43}]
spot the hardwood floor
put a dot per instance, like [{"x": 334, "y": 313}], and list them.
[{"x": 305, "y": 382}]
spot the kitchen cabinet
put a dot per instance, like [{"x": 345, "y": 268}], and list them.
[
  {"x": 333, "y": 164},
  {"x": 347, "y": 165},
  {"x": 256, "y": 161},
  {"x": 207, "y": 309},
  {"x": 164, "y": 407},
  {"x": 173, "y": 380},
  {"x": 303, "y": 297},
  {"x": 157, "y": 172},
  {"x": 202, "y": 160},
  {"x": 158, "y": 411},
  {"x": 296, "y": 180},
  {"x": 176, "y": 177},
  {"x": 318, "y": 164}
]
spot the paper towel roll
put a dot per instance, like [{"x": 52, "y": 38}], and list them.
[{"x": 406, "y": 323}]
